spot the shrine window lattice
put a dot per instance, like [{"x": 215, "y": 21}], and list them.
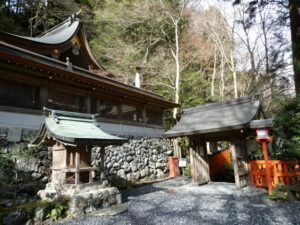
[
  {"x": 132, "y": 113},
  {"x": 154, "y": 117},
  {"x": 65, "y": 101},
  {"x": 125, "y": 112},
  {"x": 107, "y": 109},
  {"x": 18, "y": 95},
  {"x": 26, "y": 96}
]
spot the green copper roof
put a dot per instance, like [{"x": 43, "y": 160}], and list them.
[
  {"x": 74, "y": 128},
  {"x": 216, "y": 117}
]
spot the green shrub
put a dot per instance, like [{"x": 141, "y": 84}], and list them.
[
  {"x": 276, "y": 195},
  {"x": 287, "y": 130},
  {"x": 57, "y": 212}
]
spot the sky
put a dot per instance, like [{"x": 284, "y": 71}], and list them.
[{"x": 228, "y": 11}]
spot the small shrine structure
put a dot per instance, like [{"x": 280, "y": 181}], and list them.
[
  {"x": 72, "y": 137},
  {"x": 222, "y": 121}
]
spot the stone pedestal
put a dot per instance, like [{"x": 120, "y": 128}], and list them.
[{"x": 83, "y": 199}]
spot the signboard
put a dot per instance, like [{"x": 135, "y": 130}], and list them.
[{"x": 182, "y": 162}]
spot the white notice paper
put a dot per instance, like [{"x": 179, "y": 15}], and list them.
[{"x": 182, "y": 162}]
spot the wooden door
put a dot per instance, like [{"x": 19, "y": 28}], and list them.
[
  {"x": 199, "y": 163},
  {"x": 240, "y": 165}
]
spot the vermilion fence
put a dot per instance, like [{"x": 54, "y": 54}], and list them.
[
  {"x": 217, "y": 161},
  {"x": 282, "y": 172}
]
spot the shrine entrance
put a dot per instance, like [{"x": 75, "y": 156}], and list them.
[
  {"x": 222, "y": 121},
  {"x": 200, "y": 166}
]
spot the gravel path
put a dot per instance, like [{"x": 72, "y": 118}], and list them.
[{"x": 178, "y": 202}]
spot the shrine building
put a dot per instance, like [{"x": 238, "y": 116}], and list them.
[{"x": 57, "y": 70}]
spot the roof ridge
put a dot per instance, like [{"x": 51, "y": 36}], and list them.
[
  {"x": 60, "y": 113},
  {"x": 71, "y": 18},
  {"x": 236, "y": 101}
]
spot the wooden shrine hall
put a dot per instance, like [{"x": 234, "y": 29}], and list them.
[
  {"x": 72, "y": 136},
  {"x": 57, "y": 70},
  {"x": 222, "y": 121}
]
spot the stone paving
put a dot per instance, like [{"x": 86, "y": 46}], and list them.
[{"x": 177, "y": 201}]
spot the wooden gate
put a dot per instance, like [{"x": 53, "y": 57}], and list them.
[
  {"x": 240, "y": 166},
  {"x": 199, "y": 163},
  {"x": 218, "y": 160}
]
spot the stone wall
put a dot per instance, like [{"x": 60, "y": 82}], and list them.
[
  {"x": 138, "y": 159},
  {"x": 23, "y": 170}
]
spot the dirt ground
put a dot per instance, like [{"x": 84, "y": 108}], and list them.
[{"x": 177, "y": 201}]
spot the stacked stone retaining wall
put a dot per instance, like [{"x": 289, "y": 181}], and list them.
[{"x": 138, "y": 159}]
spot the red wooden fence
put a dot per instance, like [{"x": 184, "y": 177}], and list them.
[
  {"x": 217, "y": 161},
  {"x": 282, "y": 172}
]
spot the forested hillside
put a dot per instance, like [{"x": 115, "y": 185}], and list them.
[{"x": 186, "y": 52}]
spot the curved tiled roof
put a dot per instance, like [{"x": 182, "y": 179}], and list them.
[
  {"x": 74, "y": 128},
  {"x": 216, "y": 117},
  {"x": 60, "y": 34}
]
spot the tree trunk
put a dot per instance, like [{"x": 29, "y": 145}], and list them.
[
  {"x": 177, "y": 79},
  {"x": 294, "y": 6},
  {"x": 222, "y": 88},
  {"x": 214, "y": 75},
  {"x": 177, "y": 150},
  {"x": 233, "y": 74}
]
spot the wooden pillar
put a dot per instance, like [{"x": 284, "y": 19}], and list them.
[
  {"x": 119, "y": 111},
  {"x": 176, "y": 148},
  {"x": 240, "y": 166},
  {"x": 71, "y": 158},
  {"x": 59, "y": 163},
  {"x": 268, "y": 169},
  {"x": 235, "y": 164},
  {"x": 77, "y": 167},
  {"x": 102, "y": 159},
  {"x": 88, "y": 103},
  {"x": 91, "y": 176},
  {"x": 144, "y": 115},
  {"x": 43, "y": 98}
]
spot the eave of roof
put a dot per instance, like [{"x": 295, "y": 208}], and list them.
[
  {"x": 217, "y": 117},
  {"x": 61, "y": 34},
  {"x": 56, "y": 38},
  {"x": 74, "y": 128},
  {"x": 13, "y": 53}
]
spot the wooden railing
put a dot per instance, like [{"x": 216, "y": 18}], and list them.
[{"x": 282, "y": 172}]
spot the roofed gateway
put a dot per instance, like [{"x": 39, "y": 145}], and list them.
[
  {"x": 223, "y": 116},
  {"x": 222, "y": 121}
]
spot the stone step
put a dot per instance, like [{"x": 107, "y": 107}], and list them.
[{"x": 112, "y": 211}]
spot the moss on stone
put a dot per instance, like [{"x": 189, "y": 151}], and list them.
[{"x": 29, "y": 205}]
